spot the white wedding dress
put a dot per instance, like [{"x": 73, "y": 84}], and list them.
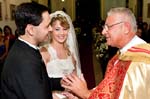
[{"x": 56, "y": 67}]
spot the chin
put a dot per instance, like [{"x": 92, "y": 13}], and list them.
[
  {"x": 46, "y": 39},
  {"x": 108, "y": 43},
  {"x": 62, "y": 41}
]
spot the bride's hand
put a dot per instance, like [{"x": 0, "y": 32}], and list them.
[{"x": 69, "y": 95}]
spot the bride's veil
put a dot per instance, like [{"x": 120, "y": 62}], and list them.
[{"x": 71, "y": 40}]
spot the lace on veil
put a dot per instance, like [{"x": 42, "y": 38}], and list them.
[{"x": 71, "y": 40}]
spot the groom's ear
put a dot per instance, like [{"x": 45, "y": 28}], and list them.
[{"x": 30, "y": 30}]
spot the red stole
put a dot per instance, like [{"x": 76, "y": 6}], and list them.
[{"x": 111, "y": 86}]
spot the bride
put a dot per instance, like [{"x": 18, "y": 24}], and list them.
[{"x": 61, "y": 54}]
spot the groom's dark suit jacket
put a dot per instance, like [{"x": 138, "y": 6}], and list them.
[{"x": 24, "y": 74}]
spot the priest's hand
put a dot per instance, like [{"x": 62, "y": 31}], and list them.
[{"x": 76, "y": 85}]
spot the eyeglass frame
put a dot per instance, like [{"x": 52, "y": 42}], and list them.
[{"x": 107, "y": 27}]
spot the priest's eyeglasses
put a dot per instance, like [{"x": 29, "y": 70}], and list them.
[{"x": 108, "y": 27}]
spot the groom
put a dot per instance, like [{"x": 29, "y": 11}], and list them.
[{"x": 24, "y": 74}]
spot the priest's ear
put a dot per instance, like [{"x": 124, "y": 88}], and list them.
[{"x": 127, "y": 27}]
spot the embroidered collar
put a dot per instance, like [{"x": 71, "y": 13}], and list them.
[{"x": 135, "y": 41}]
